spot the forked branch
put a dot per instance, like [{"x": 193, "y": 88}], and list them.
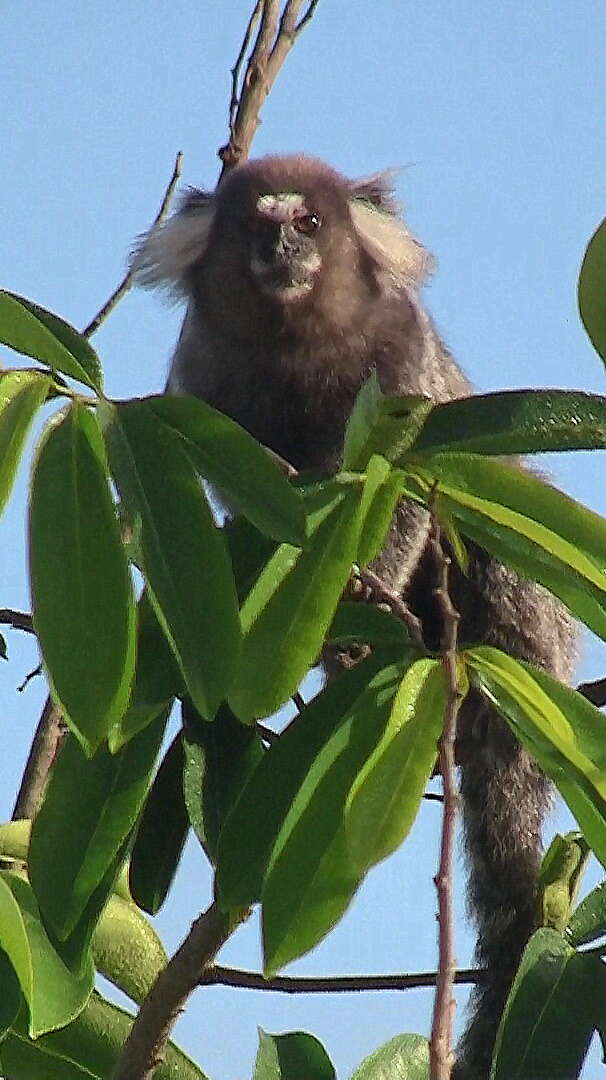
[{"x": 275, "y": 38}]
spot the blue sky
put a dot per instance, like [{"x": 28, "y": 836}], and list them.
[{"x": 495, "y": 116}]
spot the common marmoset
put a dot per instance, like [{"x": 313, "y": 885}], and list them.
[{"x": 299, "y": 284}]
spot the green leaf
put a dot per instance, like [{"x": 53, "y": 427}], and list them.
[
  {"x": 287, "y": 612},
  {"x": 381, "y": 425},
  {"x": 157, "y": 679},
  {"x": 588, "y": 921},
  {"x": 387, "y": 791},
  {"x": 254, "y": 822},
  {"x": 560, "y": 875},
  {"x": 385, "y": 490},
  {"x": 21, "y": 395},
  {"x": 88, "y": 814},
  {"x": 517, "y": 489},
  {"x": 600, "y": 1021},
  {"x": 219, "y": 760},
  {"x": 550, "y": 1015},
  {"x": 293, "y": 1056},
  {"x": 515, "y": 422},
  {"x": 90, "y": 1046},
  {"x": 76, "y": 947},
  {"x": 586, "y": 806},
  {"x": 83, "y": 602},
  {"x": 53, "y": 993},
  {"x": 456, "y": 543},
  {"x": 161, "y": 833},
  {"x": 127, "y": 950},
  {"x": 11, "y": 998},
  {"x": 526, "y": 523},
  {"x": 311, "y": 876},
  {"x": 356, "y": 621},
  {"x": 405, "y": 1057},
  {"x": 592, "y": 290},
  {"x": 21, "y": 1059},
  {"x": 249, "y": 550},
  {"x": 562, "y": 730},
  {"x": 229, "y": 457},
  {"x": 34, "y": 331},
  {"x": 183, "y": 554}
]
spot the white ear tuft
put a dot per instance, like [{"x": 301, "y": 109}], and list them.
[
  {"x": 390, "y": 244},
  {"x": 164, "y": 256}
]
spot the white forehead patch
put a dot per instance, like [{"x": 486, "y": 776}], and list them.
[{"x": 285, "y": 201}]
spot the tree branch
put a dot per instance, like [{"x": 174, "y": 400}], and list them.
[
  {"x": 440, "y": 1050},
  {"x": 290, "y": 28},
  {"x": 19, "y": 620},
  {"x": 336, "y": 984},
  {"x": 125, "y": 284},
  {"x": 275, "y": 38},
  {"x": 51, "y": 729},
  {"x": 44, "y": 749},
  {"x": 234, "y": 100},
  {"x": 145, "y": 1046},
  {"x": 595, "y": 692},
  {"x": 33, "y": 674},
  {"x": 382, "y": 594},
  {"x": 267, "y": 735}
]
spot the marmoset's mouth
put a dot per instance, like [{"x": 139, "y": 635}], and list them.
[{"x": 280, "y": 282}]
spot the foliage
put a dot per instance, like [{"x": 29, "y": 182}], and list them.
[{"x": 229, "y": 621}]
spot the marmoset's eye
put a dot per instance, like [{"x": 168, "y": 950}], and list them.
[{"x": 307, "y": 223}]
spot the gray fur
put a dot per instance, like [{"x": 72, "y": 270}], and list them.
[
  {"x": 289, "y": 372},
  {"x": 165, "y": 255}
]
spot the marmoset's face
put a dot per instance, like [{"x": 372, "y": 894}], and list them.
[
  {"x": 287, "y": 224},
  {"x": 283, "y": 234}
]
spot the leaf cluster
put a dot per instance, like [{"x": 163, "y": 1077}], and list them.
[{"x": 228, "y": 623}]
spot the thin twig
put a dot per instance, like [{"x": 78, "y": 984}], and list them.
[
  {"x": 307, "y": 17},
  {"x": 245, "y": 117},
  {"x": 298, "y": 701},
  {"x": 45, "y": 746},
  {"x": 331, "y": 984},
  {"x": 270, "y": 737},
  {"x": 146, "y": 1043},
  {"x": 50, "y": 730},
  {"x": 235, "y": 71},
  {"x": 396, "y": 604},
  {"x": 441, "y": 1052},
  {"x": 378, "y": 590},
  {"x": 125, "y": 284},
  {"x": 595, "y": 692},
  {"x": 290, "y": 28},
  {"x": 19, "y": 620},
  {"x": 275, "y": 37},
  {"x": 267, "y": 734},
  {"x": 33, "y": 674}
]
